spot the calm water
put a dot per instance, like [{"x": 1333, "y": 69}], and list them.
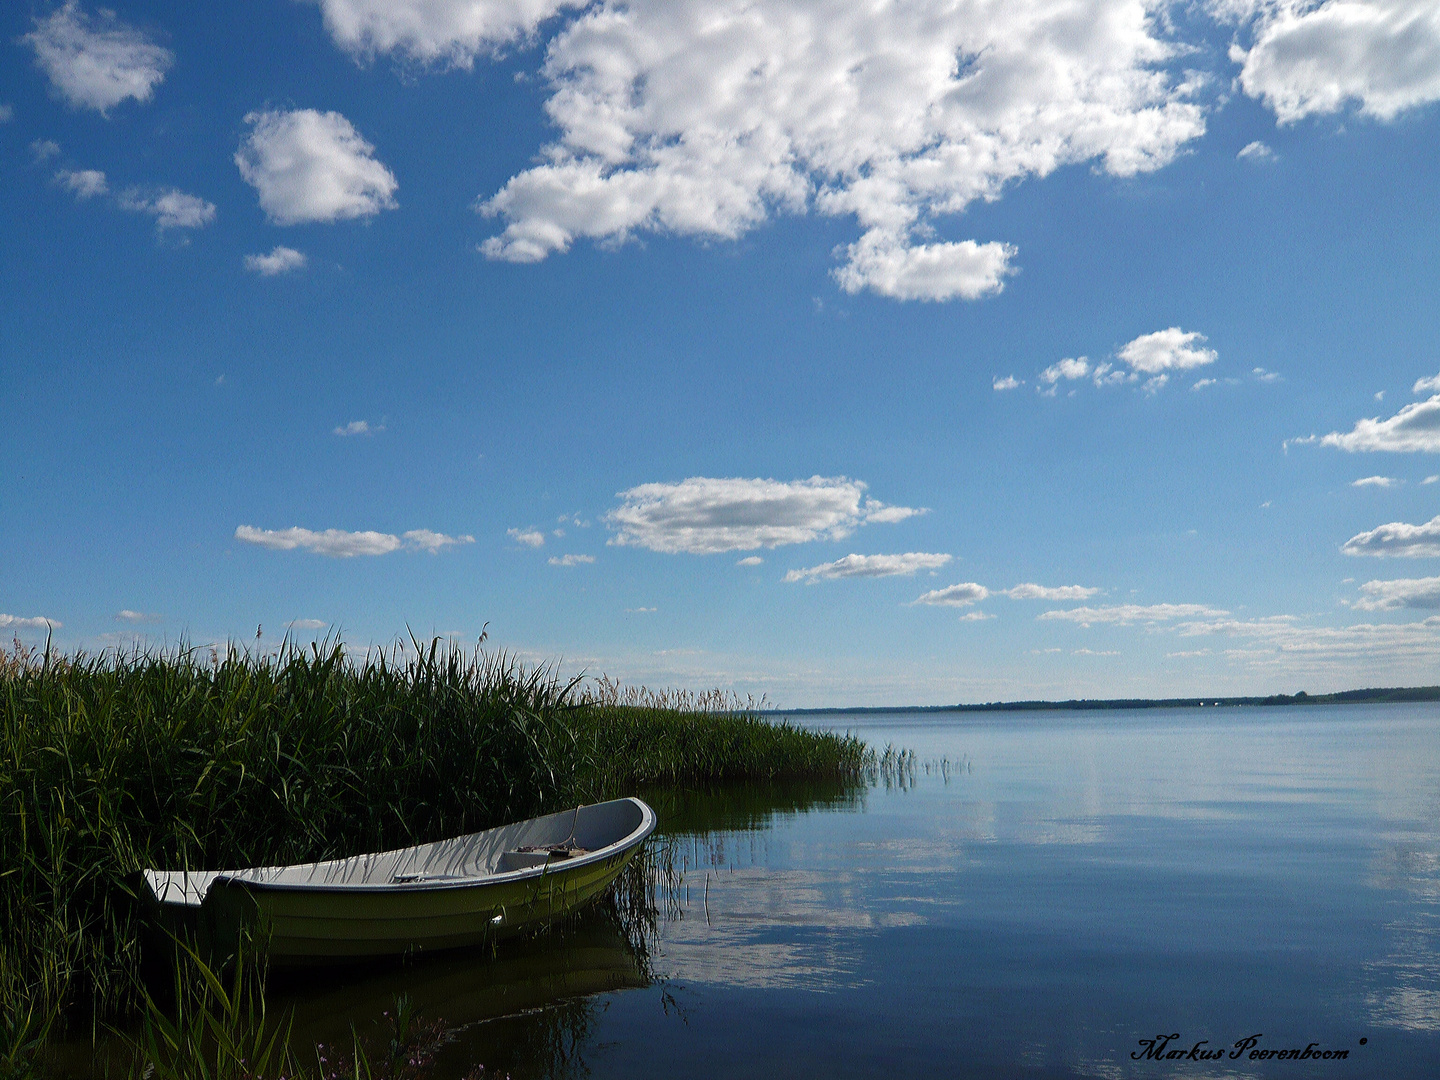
[{"x": 1071, "y": 884}]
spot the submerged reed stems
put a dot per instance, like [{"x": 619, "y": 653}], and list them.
[{"x": 192, "y": 759}]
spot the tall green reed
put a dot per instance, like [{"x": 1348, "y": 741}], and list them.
[{"x": 191, "y": 759}]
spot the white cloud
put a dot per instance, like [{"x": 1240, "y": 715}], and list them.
[
  {"x": 307, "y": 624},
  {"x": 870, "y": 566},
  {"x": 895, "y": 266},
  {"x": 1105, "y": 374},
  {"x": 97, "y": 63},
  {"x": 447, "y": 32},
  {"x": 1069, "y": 368},
  {"x": 1094, "y": 652},
  {"x": 641, "y": 610},
  {"x": 1397, "y": 540},
  {"x": 750, "y": 560},
  {"x": 1375, "y": 481},
  {"x": 1309, "y": 58},
  {"x": 84, "y": 183},
  {"x": 1126, "y": 614},
  {"x": 1430, "y": 479},
  {"x": 1009, "y": 382},
  {"x": 313, "y": 166},
  {"x": 1029, "y": 591},
  {"x": 1405, "y": 648},
  {"x": 44, "y": 149},
  {"x": 707, "y": 117},
  {"x": 571, "y": 560},
  {"x": 1415, "y": 428},
  {"x": 425, "y": 540},
  {"x": 976, "y": 616},
  {"x": 1261, "y": 375},
  {"x": 875, "y": 512},
  {"x": 7, "y": 113},
  {"x": 704, "y": 515},
  {"x": 1258, "y": 152},
  {"x": 1428, "y": 385},
  {"x": 1421, "y": 593},
  {"x": 170, "y": 207},
  {"x": 1166, "y": 350},
  {"x": 137, "y": 616},
  {"x": 532, "y": 538},
  {"x": 16, "y": 622},
  {"x": 281, "y": 260},
  {"x": 357, "y": 427},
  {"x": 962, "y": 595},
  {"x": 1201, "y": 384},
  {"x": 339, "y": 544}
]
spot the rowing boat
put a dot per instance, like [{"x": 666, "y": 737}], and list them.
[{"x": 443, "y": 895}]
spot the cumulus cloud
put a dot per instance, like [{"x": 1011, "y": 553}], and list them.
[
  {"x": 1029, "y": 591},
  {"x": 1166, "y": 350},
  {"x": 897, "y": 267},
  {"x": 1257, "y": 152},
  {"x": 532, "y": 538},
  {"x": 962, "y": 595},
  {"x": 83, "y": 183},
  {"x": 1431, "y": 479},
  {"x": 7, "y": 113},
  {"x": 704, "y": 515},
  {"x": 444, "y": 32},
  {"x": 869, "y": 566},
  {"x": 571, "y": 560},
  {"x": 17, "y": 622},
  {"x": 1261, "y": 375},
  {"x": 44, "y": 149},
  {"x": 1009, "y": 382},
  {"x": 307, "y": 624},
  {"x": 357, "y": 427},
  {"x": 339, "y": 544},
  {"x": 750, "y": 560},
  {"x": 1127, "y": 614},
  {"x": 707, "y": 117},
  {"x": 1421, "y": 593},
  {"x": 1397, "y": 539},
  {"x": 1414, "y": 429},
  {"x": 96, "y": 63},
  {"x": 170, "y": 207},
  {"x": 1308, "y": 58},
  {"x": 129, "y": 616},
  {"x": 1069, "y": 368},
  {"x": 1428, "y": 385},
  {"x": 281, "y": 260},
  {"x": 1201, "y": 384},
  {"x": 312, "y": 166},
  {"x": 425, "y": 540},
  {"x": 1375, "y": 481}
]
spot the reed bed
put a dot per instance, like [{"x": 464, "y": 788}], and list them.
[{"x": 201, "y": 758}]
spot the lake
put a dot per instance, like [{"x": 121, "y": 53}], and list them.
[{"x": 1045, "y": 894}]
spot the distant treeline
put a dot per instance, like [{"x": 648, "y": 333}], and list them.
[{"x": 1344, "y": 697}]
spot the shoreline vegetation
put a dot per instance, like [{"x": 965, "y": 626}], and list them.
[
  {"x": 208, "y": 758},
  {"x": 1376, "y": 695}
]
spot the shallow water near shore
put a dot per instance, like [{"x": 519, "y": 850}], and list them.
[{"x": 1040, "y": 896}]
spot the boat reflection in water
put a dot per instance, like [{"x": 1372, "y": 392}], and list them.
[{"x": 525, "y": 1007}]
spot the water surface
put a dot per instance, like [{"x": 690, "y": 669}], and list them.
[{"x": 1065, "y": 886}]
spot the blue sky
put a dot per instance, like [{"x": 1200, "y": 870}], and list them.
[{"x": 921, "y": 353}]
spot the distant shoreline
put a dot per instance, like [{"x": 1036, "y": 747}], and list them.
[{"x": 1344, "y": 697}]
